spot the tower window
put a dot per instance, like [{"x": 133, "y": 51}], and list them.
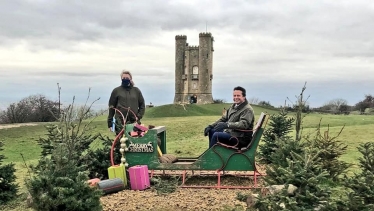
[{"x": 195, "y": 70}]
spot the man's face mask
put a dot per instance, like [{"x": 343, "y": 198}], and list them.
[{"x": 126, "y": 82}]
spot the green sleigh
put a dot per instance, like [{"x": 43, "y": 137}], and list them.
[{"x": 220, "y": 158}]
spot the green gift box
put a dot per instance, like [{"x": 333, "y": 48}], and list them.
[{"x": 118, "y": 171}]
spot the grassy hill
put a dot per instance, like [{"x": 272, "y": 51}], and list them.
[
  {"x": 185, "y": 125},
  {"x": 189, "y": 110},
  {"x": 174, "y": 110}
]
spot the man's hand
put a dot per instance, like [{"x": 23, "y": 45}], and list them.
[
  {"x": 207, "y": 129},
  {"x": 110, "y": 129},
  {"x": 221, "y": 126},
  {"x": 137, "y": 119}
]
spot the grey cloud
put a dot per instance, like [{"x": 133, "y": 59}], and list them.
[
  {"x": 87, "y": 19},
  {"x": 266, "y": 42},
  {"x": 320, "y": 25},
  {"x": 147, "y": 73}
]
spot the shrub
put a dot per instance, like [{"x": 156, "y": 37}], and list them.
[
  {"x": 98, "y": 160},
  {"x": 35, "y": 108},
  {"x": 361, "y": 186},
  {"x": 8, "y": 188},
  {"x": 59, "y": 180},
  {"x": 302, "y": 170},
  {"x": 265, "y": 104},
  {"x": 219, "y": 101},
  {"x": 62, "y": 184},
  {"x": 295, "y": 163},
  {"x": 331, "y": 149},
  {"x": 280, "y": 125}
]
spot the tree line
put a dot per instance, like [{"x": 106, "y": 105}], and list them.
[
  {"x": 334, "y": 106},
  {"x": 34, "y": 108},
  {"x": 38, "y": 108}
]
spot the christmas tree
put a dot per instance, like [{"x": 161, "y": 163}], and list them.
[
  {"x": 60, "y": 183},
  {"x": 59, "y": 180},
  {"x": 361, "y": 186},
  {"x": 279, "y": 126},
  {"x": 8, "y": 188}
]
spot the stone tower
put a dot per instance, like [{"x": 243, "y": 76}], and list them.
[{"x": 194, "y": 69}]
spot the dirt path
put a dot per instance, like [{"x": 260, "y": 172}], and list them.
[
  {"x": 182, "y": 199},
  {"x": 6, "y": 126}
]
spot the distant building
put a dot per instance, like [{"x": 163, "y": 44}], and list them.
[{"x": 194, "y": 69}]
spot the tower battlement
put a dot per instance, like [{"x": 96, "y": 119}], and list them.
[
  {"x": 205, "y": 34},
  {"x": 181, "y": 37},
  {"x": 193, "y": 47}
]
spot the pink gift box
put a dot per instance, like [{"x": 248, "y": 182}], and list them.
[{"x": 139, "y": 177}]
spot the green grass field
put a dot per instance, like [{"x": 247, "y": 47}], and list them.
[{"x": 185, "y": 125}]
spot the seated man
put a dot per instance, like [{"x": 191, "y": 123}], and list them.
[{"x": 239, "y": 116}]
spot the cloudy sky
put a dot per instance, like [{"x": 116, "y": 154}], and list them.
[{"x": 269, "y": 47}]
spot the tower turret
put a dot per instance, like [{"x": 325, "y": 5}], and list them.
[
  {"x": 180, "y": 45},
  {"x": 205, "y": 66}
]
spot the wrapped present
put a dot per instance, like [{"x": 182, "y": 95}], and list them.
[
  {"x": 111, "y": 185},
  {"x": 93, "y": 182},
  {"x": 118, "y": 171},
  {"x": 139, "y": 177}
]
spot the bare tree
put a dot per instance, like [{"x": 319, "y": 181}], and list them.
[
  {"x": 35, "y": 108},
  {"x": 339, "y": 102},
  {"x": 59, "y": 99},
  {"x": 336, "y": 105},
  {"x": 299, "y": 106},
  {"x": 253, "y": 100}
]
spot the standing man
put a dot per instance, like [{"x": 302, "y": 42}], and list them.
[
  {"x": 126, "y": 96},
  {"x": 229, "y": 128}
]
